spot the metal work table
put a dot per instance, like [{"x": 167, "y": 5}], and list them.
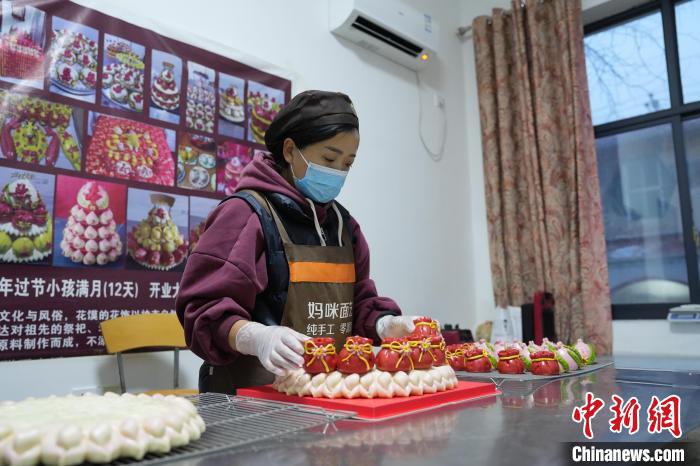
[{"x": 524, "y": 425}]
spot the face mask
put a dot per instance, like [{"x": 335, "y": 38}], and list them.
[{"x": 322, "y": 184}]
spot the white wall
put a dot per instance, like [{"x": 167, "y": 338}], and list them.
[{"x": 412, "y": 209}]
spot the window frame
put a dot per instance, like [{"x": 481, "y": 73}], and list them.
[{"x": 675, "y": 115}]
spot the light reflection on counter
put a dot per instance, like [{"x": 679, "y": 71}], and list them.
[{"x": 545, "y": 394}]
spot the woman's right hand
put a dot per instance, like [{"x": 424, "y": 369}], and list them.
[{"x": 278, "y": 348}]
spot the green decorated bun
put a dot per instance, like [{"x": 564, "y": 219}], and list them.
[
  {"x": 42, "y": 242},
  {"x": 23, "y": 247},
  {"x": 5, "y": 242}
]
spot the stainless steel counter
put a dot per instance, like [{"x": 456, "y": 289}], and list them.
[{"x": 524, "y": 426}]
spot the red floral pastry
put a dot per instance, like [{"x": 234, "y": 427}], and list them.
[
  {"x": 395, "y": 355},
  {"x": 130, "y": 150},
  {"x": 21, "y": 57},
  {"x": 544, "y": 363},
  {"x": 231, "y": 105},
  {"x": 356, "y": 357},
  {"x": 36, "y": 130},
  {"x": 262, "y": 109},
  {"x": 319, "y": 355},
  {"x": 437, "y": 346},
  {"x": 237, "y": 157},
  {"x": 201, "y": 98},
  {"x": 421, "y": 351},
  {"x": 90, "y": 235},
  {"x": 156, "y": 242},
  {"x": 164, "y": 91},
  {"x": 425, "y": 326},
  {"x": 476, "y": 360},
  {"x": 509, "y": 362},
  {"x": 25, "y": 223},
  {"x": 454, "y": 354}
]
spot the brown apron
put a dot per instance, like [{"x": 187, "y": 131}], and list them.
[{"x": 319, "y": 303}]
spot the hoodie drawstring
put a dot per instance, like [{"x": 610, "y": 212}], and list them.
[
  {"x": 318, "y": 225},
  {"x": 340, "y": 225}
]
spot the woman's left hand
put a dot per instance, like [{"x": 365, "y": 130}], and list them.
[{"x": 397, "y": 326}]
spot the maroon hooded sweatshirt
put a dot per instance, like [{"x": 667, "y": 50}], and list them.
[{"x": 227, "y": 270}]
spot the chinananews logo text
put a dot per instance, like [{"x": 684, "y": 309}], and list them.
[
  {"x": 632, "y": 417},
  {"x": 583, "y": 453},
  {"x": 631, "y": 452},
  {"x": 662, "y": 415}
]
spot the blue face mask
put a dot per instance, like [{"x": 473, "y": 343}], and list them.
[{"x": 322, "y": 184}]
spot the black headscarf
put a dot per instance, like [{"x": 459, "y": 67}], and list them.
[{"x": 307, "y": 110}]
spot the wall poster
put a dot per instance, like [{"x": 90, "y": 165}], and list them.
[{"x": 115, "y": 144}]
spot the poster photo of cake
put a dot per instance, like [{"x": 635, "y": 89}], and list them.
[
  {"x": 196, "y": 162},
  {"x": 201, "y": 98},
  {"x": 22, "y": 44},
  {"x": 123, "y": 74},
  {"x": 90, "y": 223},
  {"x": 40, "y": 132},
  {"x": 166, "y": 75},
  {"x": 231, "y": 106},
  {"x": 232, "y": 158},
  {"x": 200, "y": 208},
  {"x": 157, "y": 230},
  {"x": 26, "y": 211},
  {"x": 263, "y": 103},
  {"x": 130, "y": 150},
  {"x": 73, "y": 60}
]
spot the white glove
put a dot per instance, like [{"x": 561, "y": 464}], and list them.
[
  {"x": 395, "y": 326},
  {"x": 278, "y": 348}
]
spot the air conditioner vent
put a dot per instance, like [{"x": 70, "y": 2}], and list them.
[{"x": 386, "y": 36}]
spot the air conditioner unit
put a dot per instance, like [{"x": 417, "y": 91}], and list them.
[{"x": 387, "y": 27}]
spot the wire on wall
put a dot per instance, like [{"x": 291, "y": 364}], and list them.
[{"x": 435, "y": 155}]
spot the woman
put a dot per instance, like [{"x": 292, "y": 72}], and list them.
[{"x": 281, "y": 261}]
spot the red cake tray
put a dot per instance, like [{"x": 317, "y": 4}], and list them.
[{"x": 380, "y": 408}]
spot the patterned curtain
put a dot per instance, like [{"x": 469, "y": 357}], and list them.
[{"x": 543, "y": 199}]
